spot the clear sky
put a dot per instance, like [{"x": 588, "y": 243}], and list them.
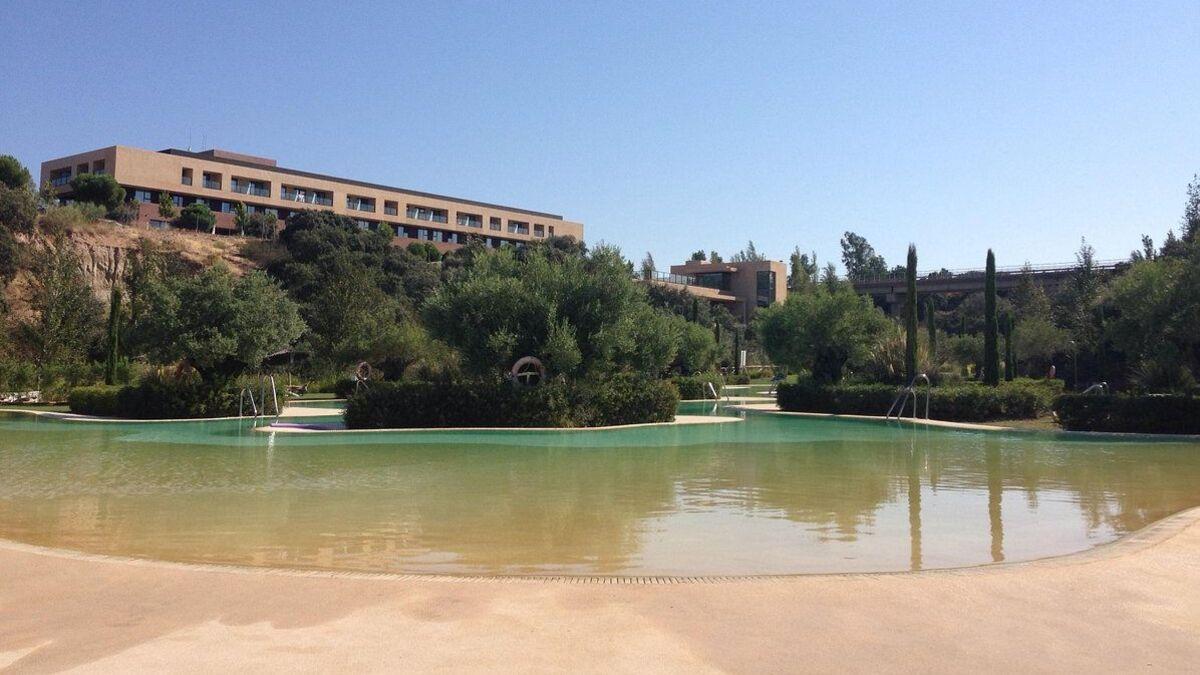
[{"x": 663, "y": 127}]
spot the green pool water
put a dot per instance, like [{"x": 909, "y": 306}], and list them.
[{"x": 768, "y": 495}]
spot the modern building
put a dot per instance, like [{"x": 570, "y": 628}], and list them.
[
  {"x": 742, "y": 287},
  {"x": 220, "y": 179}
]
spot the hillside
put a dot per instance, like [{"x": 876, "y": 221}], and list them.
[{"x": 105, "y": 246}]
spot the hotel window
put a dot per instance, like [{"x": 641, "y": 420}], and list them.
[
  {"x": 226, "y": 207},
  {"x": 362, "y": 224},
  {"x": 186, "y": 177},
  {"x": 426, "y": 213},
  {"x": 212, "y": 181},
  {"x": 60, "y": 176},
  {"x": 765, "y": 287},
  {"x": 518, "y": 227},
  {"x": 82, "y": 168},
  {"x": 98, "y": 166},
  {"x": 391, "y": 208},
  {"x": 494, "y": 223},
  {"x": 551, "y": 230},
  {"x": 357, "y": 203},
  {"x": 142, "y": 196},
  {"x": 246, "y": 186},
  {"x": 469, "y": 220},
  {"x": 539, "y": 230},
  {"x": 177, "y": 200},
  {"x": 292, "y": 193},
  {"x": 422, "y": 233}
]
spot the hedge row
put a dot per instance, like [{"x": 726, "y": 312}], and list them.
[
  {"x": 154, "y": 398},
  {"x": 959, "y": 403},
  {"x": 622, "y": 399},
  {"x": 693, "y": 387},
  {"x": 1145, "y": 414}
]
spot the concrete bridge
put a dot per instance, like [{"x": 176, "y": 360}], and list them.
[{"x": 888, "y": 291}]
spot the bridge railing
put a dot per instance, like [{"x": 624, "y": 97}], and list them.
[{"x": 1044, "y": 268}]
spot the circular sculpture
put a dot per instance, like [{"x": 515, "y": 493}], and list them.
[{"x": 528, "y": 371}]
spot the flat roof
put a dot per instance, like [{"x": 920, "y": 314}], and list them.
[{"x": 224, "y": 158}]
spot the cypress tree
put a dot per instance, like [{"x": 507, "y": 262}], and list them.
[
  {"x": 695, "y": 310},
  {"x": 114, "y": 336},
  {"x": 991, "y": 347},
  {"x": 910, "y": 316},
  {"x": 931, "y": 326}
]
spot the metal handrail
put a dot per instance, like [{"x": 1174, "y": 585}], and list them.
[
  {"x": 246, "y": 391},
  {"x": 906, "y": 392},
  {"x": 1101, "y": 387}
]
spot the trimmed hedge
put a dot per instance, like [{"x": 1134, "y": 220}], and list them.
[
  {"x": 100, "y": 401},
  {"x": 622, "y": 399},
  {"x": 960, "y": 403},
  {"x": 692, "y": 387},
  {"x": 1145, "y": 414},
  {"x": 154, "y": 398}
]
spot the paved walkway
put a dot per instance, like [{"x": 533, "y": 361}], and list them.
[{"x": 1133, "y": 605}]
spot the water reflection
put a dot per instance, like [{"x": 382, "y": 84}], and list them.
[{"x": 769, "y": 495}]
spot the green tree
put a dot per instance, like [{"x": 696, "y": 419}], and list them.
[
  {"x": 113, "y": 338},
  {"x": 166, "y": 207},
  {"x": 1010, "y": 364},
  {"x": 699, "y": 256},
  {"x": 804, "y": 271},
  {"x": 18, "y": 209},
  {"x": 860, "y": 258},
  {"x": 824, "y": 331},
  {"x": 13, "y": 174},
  {"x": 910, "y": 315},
  {"x": 97, "y": 188},
  {"x": 507, "y": 304},
  {"x": 648, "y": 267},
  {"x": 241, "y": 218},
  {"x": 61, "y": 324},
  {"x": 748, "y": 254},
  {"x": 219, "y": 324},
  {"x": 261, "y": 224},
  {"x": 698, "y": 350},
  {"x": 991, "y": 354},
  {"x": 197, "y": 216},
  {"x": 1191, "y": 211}
]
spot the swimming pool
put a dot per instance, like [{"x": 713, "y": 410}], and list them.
[{"x": 768, "y": 495}]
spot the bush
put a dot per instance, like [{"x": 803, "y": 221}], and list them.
[
  {"x": 156, "y": 398},
  {"x": 741, "y": 379},
  {"x": 63, "y": 218},
  {"x": 1145, "y": 414},
  {"x": 632, "y": 399},
  {"x": 693, "y": 387},
  {"x": 963, "y": 403},
  {"x": 101, "y": 401},
  {"x": 623, "y": 399}
]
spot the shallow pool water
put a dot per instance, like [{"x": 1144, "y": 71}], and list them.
[{"x": 768, "y": 495}]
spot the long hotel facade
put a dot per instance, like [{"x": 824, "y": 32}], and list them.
[{"x": 220, "y": 179}]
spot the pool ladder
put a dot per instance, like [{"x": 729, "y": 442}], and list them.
[
  {"x": 908, "y": 392},
  {"x": 248, "y": 394}
]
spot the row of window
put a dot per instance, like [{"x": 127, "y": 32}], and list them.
[
  {"x": 400, "y": 230},
  {"x": 295, "y": 193},
  {"x": 60, "y": 177}
]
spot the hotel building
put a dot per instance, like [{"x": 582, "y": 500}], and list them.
[
  {"x": 742, "y": 287},
  {"x": 220, "y": 179}
]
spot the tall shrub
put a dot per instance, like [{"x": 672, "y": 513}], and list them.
[
  {"x": 991, "y": 352},
  {"x": 113, "y": 339},
  {"x": 1010, "y": 364},
  {"x": 910, "y": 316}
]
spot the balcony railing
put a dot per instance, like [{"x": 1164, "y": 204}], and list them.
[
  {"x": 305, "y": 197},
  {"x": 357, "y": 205},
  {"x": 249, "y": 189},
  {"x": 426, "y": 214},
  {"x": 212, "y": 184}
]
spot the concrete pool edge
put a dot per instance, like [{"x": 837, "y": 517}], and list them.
[
  {"x": 773, "y": 409},
  {"x": 1148, "y": 537}
]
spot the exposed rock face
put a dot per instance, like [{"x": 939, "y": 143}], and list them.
[{"x": 105, "y": 248}]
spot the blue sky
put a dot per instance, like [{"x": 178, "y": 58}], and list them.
[{"x": 663, "y": 127}]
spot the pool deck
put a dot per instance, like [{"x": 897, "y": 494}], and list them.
[{"x": 1131, "y": 605}]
